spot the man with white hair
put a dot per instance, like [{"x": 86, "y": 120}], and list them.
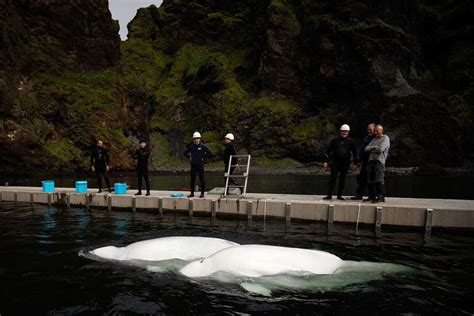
[
  {"x": 339, "y": 154},
  {"x": 378, "y": 150}
]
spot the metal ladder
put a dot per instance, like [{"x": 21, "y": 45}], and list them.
[{"x": 244, "y": 175}]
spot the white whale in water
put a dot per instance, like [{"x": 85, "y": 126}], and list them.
[
  {"x": 261, "y": 260},
  {"x": 166, "y": 248},
  {"x": 261, "y": 269}
]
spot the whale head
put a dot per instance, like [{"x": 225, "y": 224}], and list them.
[
  {"x": 260, "y": 260},
  {"x": 165, "y": 248},
  {"x": 198, "y": 268}
]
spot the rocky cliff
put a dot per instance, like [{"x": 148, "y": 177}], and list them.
[
  {"x": 282, "y": 75},
  {"x": 59, "y": 84}
]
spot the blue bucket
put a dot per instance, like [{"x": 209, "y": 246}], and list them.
[
  {"x": 48, "y": 186},
  {"x": 120, "y": 188},
  {"x": 81, "y": 186}
]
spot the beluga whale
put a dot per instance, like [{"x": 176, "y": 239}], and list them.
[
  {"x": 261, "y": 269},
  {"x": 262, "y": 260},
  {"x": 165, "y": 248}
]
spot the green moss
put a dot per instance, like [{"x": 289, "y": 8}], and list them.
[
  {"x": 283, "y": 15},
  {"x": 143, "y": 26},
  {"x": 143, "y": 66},
  {"x": 213, "y": 140},
  {"x": 281, "y": 107},
  {"x": 162, "y": 159},
  {"x": 159, "y": 123},
  {"x": 278, "y": 163},
  {"x": 308, "y": 128},
  {"x": 85, "y": 103},
  {"x": 64, "y": 150},
  {"x": 273, "y": 124}
]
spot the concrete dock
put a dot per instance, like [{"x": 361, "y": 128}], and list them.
[{"x": 423, "y": 213}]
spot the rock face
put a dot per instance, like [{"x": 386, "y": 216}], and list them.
[
  {"x": 59, "y": 83},
  {"x": 282, "y": 75}
]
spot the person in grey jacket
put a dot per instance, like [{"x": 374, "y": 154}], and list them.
[{"x": 377, "y": 150}]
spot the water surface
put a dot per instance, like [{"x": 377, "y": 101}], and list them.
[{"x": 42, "y": 273}]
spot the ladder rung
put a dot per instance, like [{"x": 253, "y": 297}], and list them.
[
  {"x": 234, "y": 176},
  {"x": 236, "y": 186}
]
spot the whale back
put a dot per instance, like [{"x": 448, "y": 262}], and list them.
[
  {"x": 261, "y": 260},
  {"x": 165, "y": 248}
]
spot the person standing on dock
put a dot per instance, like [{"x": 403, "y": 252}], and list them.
[
  {"x": 141, "y": 155},
  {"x": 377, "y": 150},
  {"x": 100, "y": 164},
  {"x": 197, "y": 153},
  {"x": 229, "y": 150},
  {"x": 364, "y": 159},
  {"x": 339, "y": 154}
]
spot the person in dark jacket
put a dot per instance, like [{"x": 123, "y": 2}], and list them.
[
  {"x": 363, "y": 158},
  {"x": 339, "y": 154},
  {"x": 229, "y": 150},
  {"x": 100, "y": 161},
  {"x": 141, "y": 155},
  {"x": 197, "y": 153}
]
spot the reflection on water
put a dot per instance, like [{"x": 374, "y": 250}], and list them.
[
  {"x": 120, "y": 227},
  {"x": 454, "y": 187}
]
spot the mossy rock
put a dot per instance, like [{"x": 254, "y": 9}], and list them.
[{"x": 284, "y": 163}]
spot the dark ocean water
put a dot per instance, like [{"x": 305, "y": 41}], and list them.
[{"x": 42, "y": 273}]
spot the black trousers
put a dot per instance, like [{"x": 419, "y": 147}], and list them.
[
  {"x": 231, "y": 180},
  {"x": 362, "y": 180},
  {"x": 99, "y": 173},
  {"x": 143, "y": 174},
  {"x": 198, "y": 170},
  {"x": 341, "y": 169}
]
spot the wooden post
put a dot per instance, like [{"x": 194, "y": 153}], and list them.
[
  {"x": 378, "y": 221},
  {"x": 249, "y": 210},
  {"x": 160, "y": 207},
  {"x": 330, "y": 218},
  {"x": 288, "y": 213},
  {"x": 428, "y": 223}
]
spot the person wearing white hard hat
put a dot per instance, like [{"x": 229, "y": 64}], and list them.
[
  {"x": 339, "y": 154},
  {"x": 229, "y": 150},
  {"x": 197, "y": 152}
]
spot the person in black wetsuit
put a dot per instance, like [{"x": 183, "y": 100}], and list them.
[
  {"x": 363, "y": 159},
  {"x": 339, "y": 154},
  {"x": 196, "y": 153},
  {"x": 229, "y": 150},
  {"x": 100, "y": 161},
  {"x": 141, "y": 155}
]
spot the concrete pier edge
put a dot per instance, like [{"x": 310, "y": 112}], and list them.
[{"x": 423, "y": 213}]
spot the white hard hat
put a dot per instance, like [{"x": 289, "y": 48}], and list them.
[
  {"x": 229, "y": 136},
  {"x": 345, "y": 127},
  {"x": 197, "y": 135}
]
